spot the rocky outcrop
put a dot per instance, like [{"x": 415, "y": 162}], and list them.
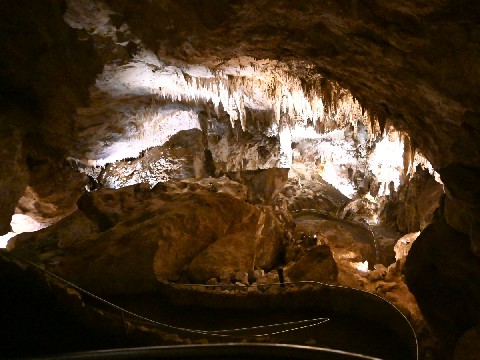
[
  {"x": 263, "y": 185},
  {"x": 316, "y": 194},
  {"x": 13, "y": 175},
  {"x": 181, "y": 157},
  {"x": 402, "y": 247},
  {"x": 443, "y": 274},
  {"x": 415, "y": 64},
  {"x": 412, "y": 208},
  {"x": 462, "y": 202},
  {"x": 46, "y": 71},
  {"x": 317, "y": 264},
  {"x": 127, "y": 240},
  {"x": 246, "y": 151}
]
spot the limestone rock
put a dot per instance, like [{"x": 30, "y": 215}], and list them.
[
  {"x": 403, "y": 246},
  {"x": 463, "y": 217},
  {"x": 316, "y": 265},
  {"x": 13, "y": 178},
  {"x": 181, "y": 157},
  {"x": 315, "y": 194},
  {"x": 417, "y": 200},
  {"x": 258, "y": 243},
  {"x": 245, "y": 150},
  {"x": 350, "y": 242},
  {"x": 230, "y": 254},
  {"x": 126, "y": 240},
  {"x": 443, "y": 275},
  {"x": 263, "y": 185}
]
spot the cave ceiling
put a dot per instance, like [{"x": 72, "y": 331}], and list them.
[
  {"x": 94, "y": 80},
  {"x": 87, "y": 83}
]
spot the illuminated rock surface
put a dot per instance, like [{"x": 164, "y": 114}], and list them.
[
  {"x": 126, "y": 240},
  {"x": 145, "y": 91}
]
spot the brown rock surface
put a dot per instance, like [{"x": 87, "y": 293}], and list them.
[
  {"x": 263, "y": 184},
  {"x": 412, "y": 210},
  {"x": 415, "y": 63},
  {"x": 125, "y": 240},
  {"x": 13, "y": 176},
  {"x": 317, "y": 264},
  {"x": 298, "y": 195},
  {"x": 443, "y": 274},
  {"x": 420, "y": 52}
]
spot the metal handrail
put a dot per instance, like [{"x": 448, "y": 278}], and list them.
[
  {"x": 218, "y": 351},
  {"x": 214, "y": 333},
  {"x": 313, "y": 283},
  {"x": 222, "y": 333}
]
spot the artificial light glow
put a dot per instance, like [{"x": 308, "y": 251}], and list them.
[
  {"x": 4, "y": 239},
  {"x": 150, "y": 127},
  {"x": 331, "y": 176},
  {"x": 20, "y": 223},
  {"x": 361, "y": 266},
  {"x": 285, "y": 148},
  {"x": 386, "y": 162}
]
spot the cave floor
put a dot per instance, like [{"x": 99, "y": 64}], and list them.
[{"x": 340, "y": 332}]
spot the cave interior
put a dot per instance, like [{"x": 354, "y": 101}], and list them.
[{"x": 269, "y": 154}]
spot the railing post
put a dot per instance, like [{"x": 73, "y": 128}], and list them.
[
  {"x": 124, "y": 325},
  {"x": 280, "y": 276}
]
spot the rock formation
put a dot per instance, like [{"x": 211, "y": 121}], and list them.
[
  {"x": 148, "y": 91},
  {"x": 126, "y": 240}
]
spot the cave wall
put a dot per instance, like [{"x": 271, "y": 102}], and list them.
[
  {"x": 415, "y": 63},
  {"x": 45, "y": 74}
]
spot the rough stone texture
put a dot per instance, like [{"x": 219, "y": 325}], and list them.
[
  {"x": 13, "y": 175},
  {"x": 468, "y": 346},
  {"x": 45, "y": 75},
  {"x": 415, "y": 63},
  {"x": 224, "y": 258},
  {"x": 443, "y": 274},
  {"x": 420, "y": 51},
  {"x": 462, "y": 201},
  {"x": 413, "y": 207},
  {"x": 126, "y": 240},
  {"x": 263, "y": 185},
  {"x": 402, "y": 247},
  {"x": 181, "y": 157},
  {"x": 313, "y": 194},
  {"x": 348, "y": 241},
  {"x": 54, "y": 185},
  {"x": 316, "y": 265},
  {"x": 236, "y": 150}
]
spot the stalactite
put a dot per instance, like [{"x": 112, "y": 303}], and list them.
[
  {"x": 407, "y": 155},
  {"x": 264, "y": 84},
  {"x": 382, "y": 120}
]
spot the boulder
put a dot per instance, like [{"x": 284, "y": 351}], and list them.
[
  {"x": 412, "y": 210},
  {"x": 402, "y": 247},
  {"x": 444, "y": 276},
  {"x": 316, "y": 265},
  {"x": 263, "y": 185},
  {"x": 126, "y": 240}
]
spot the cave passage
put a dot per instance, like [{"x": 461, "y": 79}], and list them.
[{"x": 149, "y": 144}]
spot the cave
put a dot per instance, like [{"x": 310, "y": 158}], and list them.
[{"x": 305, "y": 173}]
